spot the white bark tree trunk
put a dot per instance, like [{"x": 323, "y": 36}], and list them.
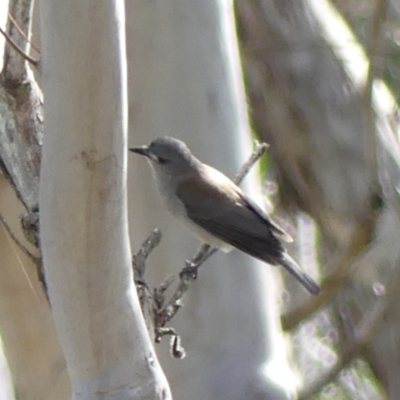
[
  {"x": 84, "y": 233},
  {"x": 185, "y": 81}
]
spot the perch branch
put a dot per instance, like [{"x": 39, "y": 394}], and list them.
[{"x": 18, "y": 49}]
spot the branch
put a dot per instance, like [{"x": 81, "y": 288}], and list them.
[
  {"x": 37, "y": 261},
  {"x": 347, "y": 355},
  {"x": 361, "y": 237},
  {"x": 15, "y": 70},
  {"x": 362, "y": 336},
  {"x": 18, "y": 49},
  {"x": 139, "y": 260},
  {"x": 143, "y": 290},
  {"x": 19, "y": 29},
  {"x": 374, "y": 43},
  {"x": 368, "y": 113}
]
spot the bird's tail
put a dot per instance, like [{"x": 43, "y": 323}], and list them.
[{"x": 293, "y": 268}]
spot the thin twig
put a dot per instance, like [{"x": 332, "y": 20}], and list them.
[
  {"x": 375, "y": 39},
  {"x": 347, "y": 355},
  {"x": 258, "y": 151},
  {"x": 362, "y": 336},
  {"x": 18, "y": 49},
  {"x": 37, "y": 261},
  {"x": 139, "y": 259},
  {"x": 361, "y": 237},
  {"x": 33, "y": 258},
  {"x": 144, "y": 292},
  {"x": 19, "y": 29}
]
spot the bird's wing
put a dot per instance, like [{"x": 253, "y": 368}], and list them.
[
  {"x": 229, "y": 215},
  {"x": 277, "y": 230}
]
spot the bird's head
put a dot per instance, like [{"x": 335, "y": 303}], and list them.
[{"x": 168, "y": 156}]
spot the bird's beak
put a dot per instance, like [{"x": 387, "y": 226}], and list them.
[{"x": 142, "y": 150}]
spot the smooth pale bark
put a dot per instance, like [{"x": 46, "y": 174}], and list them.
[
  {"x": 185, "y": 81},
  {"x": 6, "y": 387},
  {"x": 7, "y": 391},
  {"x": 84, "y": 229},
  {"x": 3, "y": 24}
]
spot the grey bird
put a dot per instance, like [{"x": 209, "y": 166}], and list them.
[{"x": 215, "y": 209}]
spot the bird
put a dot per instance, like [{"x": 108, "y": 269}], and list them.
[{"x": 215, "y": 209}]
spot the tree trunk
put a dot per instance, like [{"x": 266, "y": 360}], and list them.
[
  {"x": 330, "y": 127},
  {"x": 84, "y": 233},
  {"x": 28, "y": 336},
  {"x": 185, "y": 81}
]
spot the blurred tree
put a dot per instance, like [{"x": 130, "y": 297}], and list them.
[
  {"x": 185, "y": 81},
  {"x": 329, "y": 122}
]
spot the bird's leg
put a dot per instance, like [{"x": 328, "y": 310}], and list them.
[{"x": 197, "y": 261}]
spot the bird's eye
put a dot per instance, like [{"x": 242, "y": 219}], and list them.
[{"x": 162, "y": 160}]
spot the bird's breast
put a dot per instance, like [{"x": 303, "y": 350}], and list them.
[
  {"x": 167, "y": 189},
  {"x": 175, "y": 206}
]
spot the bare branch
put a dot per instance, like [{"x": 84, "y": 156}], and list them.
[
  {"x": 258, "y": 151},
  {"x": 33, "y": 258},
  {"x": 375, "y": 40},
  {"x": 14, "y": 70},
  {"x": 347, "y": 355},
  {"x": 362, "y": 337},
  {"x": 139, "y": 260},
  {"x": 18, "y": 49},
  {"x": 15, "y": 23},
  {"x": 37, "y": 260},
  {"x": 361, "y": 237}
]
